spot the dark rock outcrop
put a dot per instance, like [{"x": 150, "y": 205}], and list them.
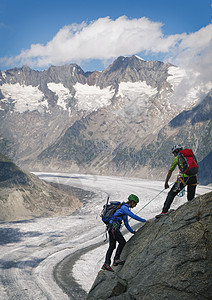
[
  {"x": 205, "y": 171},
  {"x": 170, "y": 258},
  {"x": 9, "y": 172}
]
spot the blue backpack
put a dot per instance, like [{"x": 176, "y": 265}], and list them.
[{"x": 108, "y": 210}]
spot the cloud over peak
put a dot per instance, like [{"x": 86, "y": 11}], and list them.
[
  {"x": 101, "y": 39},
  {"x": 105, "y": 39}
]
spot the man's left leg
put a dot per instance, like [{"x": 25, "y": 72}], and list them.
[
  {"x": 170, "y": 197},
  {"x": 192, "y": 184}
]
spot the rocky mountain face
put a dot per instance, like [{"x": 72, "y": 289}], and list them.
[
  {"x": 191, "y": 128},
  {"x": 24, "y": 196},
  {"x": 205, "y": 171},
  {"x": 169, "y": 258},
  {"x": 121, "y": 121}
]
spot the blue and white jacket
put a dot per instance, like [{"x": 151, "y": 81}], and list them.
[{"x": 122, "y": 215}]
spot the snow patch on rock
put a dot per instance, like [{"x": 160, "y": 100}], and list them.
[
  {"x": 23, "y": 97},
  {"x": 136, "y": 97},
  {"x": 176, "y": 75},
  {"x": 133, "y": 90},
  {"x": 91, "y": 98},
  {"x": 62, "y": 92}
]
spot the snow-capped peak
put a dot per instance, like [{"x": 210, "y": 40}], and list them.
[{"x": 139, "y": 57}]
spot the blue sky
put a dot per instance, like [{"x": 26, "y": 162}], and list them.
[{"x": 93, "y": 33}]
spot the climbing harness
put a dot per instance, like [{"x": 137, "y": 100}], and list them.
[
  {"x": 181, "y": 193},
  {"x": 112, "y": 227}
]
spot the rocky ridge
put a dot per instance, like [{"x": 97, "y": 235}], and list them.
[
  {"x": 24, "y": 196},
  {"x": 169, "y": 258}
]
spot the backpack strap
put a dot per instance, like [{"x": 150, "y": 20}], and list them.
[
  {"x": 178, "y": 162},
  {"x": 114, "y": 220}
]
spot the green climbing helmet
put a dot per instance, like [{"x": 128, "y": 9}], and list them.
[{"x": 133, "y": 198}]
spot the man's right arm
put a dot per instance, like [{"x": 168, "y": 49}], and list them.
[
  {"x": 171, "y": 169},
  {"x": 168, "y": 176}
]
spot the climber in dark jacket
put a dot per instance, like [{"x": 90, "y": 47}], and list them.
[{"x": 115, "y": 235}]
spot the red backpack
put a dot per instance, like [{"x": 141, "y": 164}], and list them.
[{"x": 187, "y": 162}]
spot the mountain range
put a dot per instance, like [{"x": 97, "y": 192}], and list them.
[{"x": 121, "y": 121}]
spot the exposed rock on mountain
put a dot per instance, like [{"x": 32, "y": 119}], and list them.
[
  {"x": 10, "y": 173},
  {"x": 200, "y": 113},
  {"x": 24, "y": 196},
  {"x": 205, "y": 170},
  {"x": 119, "y": 121},
  {"x": 119, "y": 146},
  {"x": 192, "y": 129},
  {"x": 170, "y": 258}
]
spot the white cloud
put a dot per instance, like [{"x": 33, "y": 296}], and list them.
[
  {"x": 101, "y": 39},
  {"x": 195, "y": 46},
  {"x": 105, "y": 39},
  {"x": 194, "y": 53}
]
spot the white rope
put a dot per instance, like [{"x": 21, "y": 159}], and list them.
[{"x": 152, "y": 200}]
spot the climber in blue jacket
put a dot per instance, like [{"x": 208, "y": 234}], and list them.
[{"x": 115, "y": 234}]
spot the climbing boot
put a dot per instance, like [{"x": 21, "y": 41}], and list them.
[
  {"x": 107, "y": 268},
  {"x": 160, "y": 215},
  {"x": 118, "y": 262}
]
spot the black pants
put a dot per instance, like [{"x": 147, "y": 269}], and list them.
[
  {"x": 115, "y": 236},
  {"x": 191, "y": 183}
]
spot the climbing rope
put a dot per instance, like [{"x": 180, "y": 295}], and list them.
[{"x": 152, "y": 200}]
